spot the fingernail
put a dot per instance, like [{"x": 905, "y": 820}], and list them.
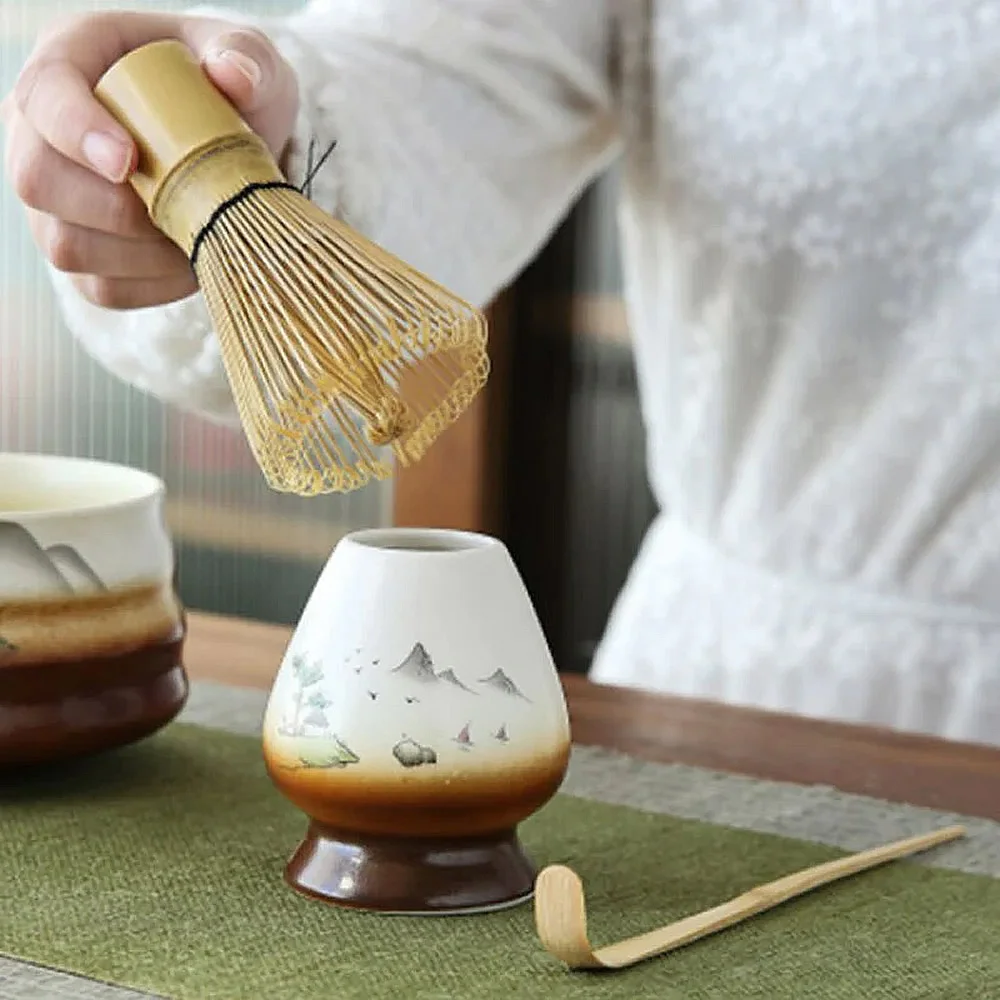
[
  {"x": 107, "y": 155},
  {"x": 246, "y": 66}
]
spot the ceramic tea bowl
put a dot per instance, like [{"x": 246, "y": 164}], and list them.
[
  {"x": 417, "y": 720},
  {"x": 90, "y": 629}
]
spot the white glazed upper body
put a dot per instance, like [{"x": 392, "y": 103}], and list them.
[
  {"x": 86, "y": 560},
  {"x": 811, "y": 228},
  {"x": 401, "y": 649},
  {"x": 74, "y": 527}
]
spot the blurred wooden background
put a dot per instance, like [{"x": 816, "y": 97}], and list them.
[{"x": 551, "y": 458}]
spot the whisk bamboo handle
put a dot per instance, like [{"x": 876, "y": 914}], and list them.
[{"x": 195, "y": 151}]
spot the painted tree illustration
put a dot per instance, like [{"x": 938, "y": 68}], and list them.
[
  {"x": 317, "y": 703},
  {"x": 306, "y": 675}
]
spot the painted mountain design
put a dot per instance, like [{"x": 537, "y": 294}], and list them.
[
  {"x": 25, "y": 567},
  {"x": 74, "y": 568},
  {"x": 30, "y": 571},
  {"x": 450, "y": 677},
  {"x": 417, "y": 666},
  {"x": 499, "y": 681}
]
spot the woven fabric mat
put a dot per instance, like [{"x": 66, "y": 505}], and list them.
[{"x": 160, "y": 869}]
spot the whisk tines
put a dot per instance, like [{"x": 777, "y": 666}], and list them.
[{"x": 334, "y": 352}]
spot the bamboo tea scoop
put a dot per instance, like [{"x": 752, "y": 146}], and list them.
[{"x": 561, "y": 909}]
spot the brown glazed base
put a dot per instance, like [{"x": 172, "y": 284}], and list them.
[
  {"x": 420, "y": 877},
  {"x": 62, "y": 710}
]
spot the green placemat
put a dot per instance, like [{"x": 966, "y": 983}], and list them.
[{"x": 160, "y": 868}]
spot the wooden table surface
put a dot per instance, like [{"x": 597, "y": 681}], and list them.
[{"x": 893, "y": 766}]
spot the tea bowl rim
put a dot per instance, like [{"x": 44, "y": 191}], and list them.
[{"x": 138, "y": 487}]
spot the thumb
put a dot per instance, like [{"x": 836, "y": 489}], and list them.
[{"x": 252, "y": 74}]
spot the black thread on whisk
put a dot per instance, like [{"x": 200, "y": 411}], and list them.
[{"x": 312, "y": 169}]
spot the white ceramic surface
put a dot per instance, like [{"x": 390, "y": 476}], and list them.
[
  {"x": 418, "y": 660},
  {"x": 86, "y": 561}
]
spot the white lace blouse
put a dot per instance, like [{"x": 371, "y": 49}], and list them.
[{"x": 811, "y": 230}]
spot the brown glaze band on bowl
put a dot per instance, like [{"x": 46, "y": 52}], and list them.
[{"x": 66, "y": 699}]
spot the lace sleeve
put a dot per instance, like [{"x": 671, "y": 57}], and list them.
[{"x": 463, "y": 129}]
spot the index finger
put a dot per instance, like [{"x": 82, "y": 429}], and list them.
[
  {"x": 54, "y": 96},
  {"x": 55, "y": 89}
]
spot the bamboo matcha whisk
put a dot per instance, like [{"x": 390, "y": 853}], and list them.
[{"x": 333, "y": 347}]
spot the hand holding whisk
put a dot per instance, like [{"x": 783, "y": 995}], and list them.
[{"x": 334, "y": 348}]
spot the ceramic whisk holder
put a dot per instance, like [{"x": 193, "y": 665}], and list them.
[{"x": 417, "y": 719}]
